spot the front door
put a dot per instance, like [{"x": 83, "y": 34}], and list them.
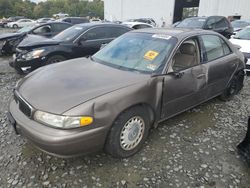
[
  {"x": 91, "y": 41},
  {"x": 185, "y": 84}
]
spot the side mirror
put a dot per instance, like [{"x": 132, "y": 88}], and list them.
[
  {"x": 103, "y": 46},
  {"x": 237, "y": 46},
  {"x": 176, "y": 74},
  {"x": 82, "y": 41},
  {"x": 208, "y": 27}
]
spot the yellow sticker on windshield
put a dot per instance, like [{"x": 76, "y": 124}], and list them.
[{"x": 151, "y": 55}]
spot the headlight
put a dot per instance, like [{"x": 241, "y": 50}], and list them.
[
  {"x": 64, "y": 122},
  {"x": 33, "y": 54}
]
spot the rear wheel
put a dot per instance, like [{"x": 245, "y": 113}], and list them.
[
  {"x": 55, "y": 59},
  {"x": 234, "y": 87},
  {"x": 15, "y": 26},
  {"x": 128, "y": 133}
]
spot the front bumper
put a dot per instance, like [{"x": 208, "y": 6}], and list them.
[
  {"x": 57, "y": 142},
  {"x": 23, "y": 64}
]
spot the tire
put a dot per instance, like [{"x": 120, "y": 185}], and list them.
[
  {"x": 19, "y": 71},
  {"x": 234, "y": 87},
  {"x": 15, "y": 26},
  {"x": 124, "y": 139},
  {"x": 55, "y": 59}
]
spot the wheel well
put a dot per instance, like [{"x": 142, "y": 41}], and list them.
[
  {"x": 58, "y": 53},
  {"x": 148, "y": 108}
]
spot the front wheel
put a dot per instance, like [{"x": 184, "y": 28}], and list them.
[
  {"x": 55, "y": 59},
  {"x": 128, "y": 133},
  {"x": 234, "y": 87},
  {"x": 15, "y": 26}
]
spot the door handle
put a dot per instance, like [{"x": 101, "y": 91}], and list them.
[{"x": 178, "y": 74}]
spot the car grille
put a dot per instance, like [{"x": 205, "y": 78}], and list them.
[{"x": 24, "y": 107}]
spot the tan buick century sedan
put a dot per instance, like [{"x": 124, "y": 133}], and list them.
[{"x": 111, "y": 100}]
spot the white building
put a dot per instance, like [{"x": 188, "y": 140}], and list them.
[{"x": 170, "y": 11}]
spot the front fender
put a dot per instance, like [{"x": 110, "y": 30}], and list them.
[{"x": 105, "y": 109}]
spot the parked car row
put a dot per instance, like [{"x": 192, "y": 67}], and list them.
[
  {"x": 77, "y": 41},
  {"x": 11, "y": 40},
  {"x": 110, "y": 98}
]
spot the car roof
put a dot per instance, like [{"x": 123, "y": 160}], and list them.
[
  {"x": 204, "y": 17},
  {"x": 93, "y": 24},
  {"x": 179, "y": 33},
  {"x": 136, "y": 23}
]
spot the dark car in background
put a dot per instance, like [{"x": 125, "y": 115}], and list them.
[
  {"x": 11, "y": 40},
  {"x": 75, "y": 20},
  {"x": 112, "y": 100},
  {"x": 77, "y": 41},
  {"x": 219, "y": 24},
  {"x": 144, "y": 20}
]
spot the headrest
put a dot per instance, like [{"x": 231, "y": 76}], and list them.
[{"x": 187, "y": 48}]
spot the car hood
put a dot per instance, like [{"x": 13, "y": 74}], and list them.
[
  {"x": 10, "y": 35},
  {"x": 58, "y": 88},
  {"x": 245, "y": 44},
  {"x": 36, "y": 41}
]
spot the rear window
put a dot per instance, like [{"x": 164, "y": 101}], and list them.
[
  {"x": 215, "y": 47},
  {"x": 59, "y": 27},
  {"x": 192, "y": 23},
  {"x": 79, "y": 20},
  {"x": 70, "y": 33}
]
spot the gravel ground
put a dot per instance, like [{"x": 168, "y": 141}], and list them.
[{"x": 194, "y": 149}]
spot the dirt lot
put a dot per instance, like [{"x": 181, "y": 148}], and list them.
[{"x": 194, "y": 149}]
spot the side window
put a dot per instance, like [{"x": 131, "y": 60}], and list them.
[
  {"x": 59, "y": 27},
  {"x": 226, "y": 48},
  {"x": 141, "y": 26},
  {"x": 214, "y": 47},
  {"x": 221, "y": 23},
  {"x": 43, "y": 29},
  {"x": 210, "y": 23},
  {"x": 188, "y": 55},
  {"x": 67, "y": 20},
  {"x": 115, "y": 32},
  {"x": 75, "y": 21},
  {"x": 95, "y": 33}
]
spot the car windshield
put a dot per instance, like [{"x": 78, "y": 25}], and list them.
[
  {"x": 243, "y": 34},
  {"x": 239, "y": 24},
  {"x": 25, "y": 29},
  {"x": 142, "y": 52},
  {"x": 192, "y": 23},
  {"x": 70, "y": 33}
]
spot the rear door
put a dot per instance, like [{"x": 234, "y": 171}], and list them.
[{"x": 220, "y": 62}]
